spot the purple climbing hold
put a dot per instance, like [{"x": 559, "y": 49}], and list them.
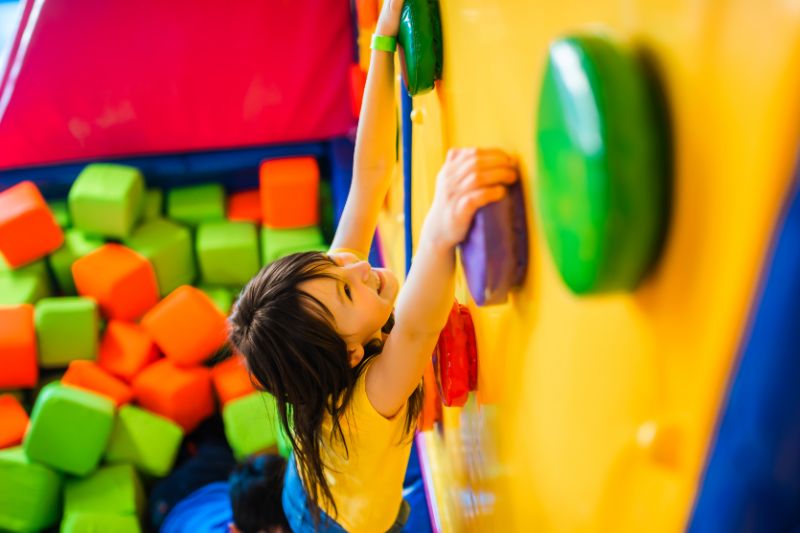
[{"x": 495, "y": 253}]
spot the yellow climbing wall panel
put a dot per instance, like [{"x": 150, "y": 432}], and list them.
[{"x": 595, "y": 414}]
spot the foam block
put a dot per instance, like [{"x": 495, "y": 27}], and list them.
[
  {"x": 221, "y": 296},
  {"x": 122, "y": 281},
  {"x": 30, "y": 493},
  {"x": 181, "y": 394},
  {"x": 28, "y": 230},
  {"x": 290, "y": 192},
  {"x": 89, "y": 376},
  {"x": 146, "y": 440},
  {"x": 69, "y": 429},
  {"x": 99, "y": 523},
  {"x": 18, "y": 366},
  {"x": 106, "y": 199},
  {"x": 495, "y": 252},
  {"x": 227, "y": 252},
  {"x": 13, "y": 421},
  {"x": 251, "y": 423},
  {"x": 112, "y": 489},
  {"x": 169, "y": 248},
  {"x": 66, "y": 329},
  {"x": 231, "y": 379},
  {"x": 24, "y": 285},
  {"x": 126, "y": 349},
  {"x": 277, "y": 243},
  {"x": 77, "y": 243},
  {"x": 60, "y": 213},
  {"x": 153, "y": 204},
  {"x": 186, "y": 326},
  {"x": 245, "y": 206},
  {"x": 196, "y": 204}
]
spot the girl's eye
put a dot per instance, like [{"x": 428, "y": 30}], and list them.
[{"x": 347, "y": 292}]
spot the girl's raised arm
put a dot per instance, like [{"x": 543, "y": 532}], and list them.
[{"x": 375, "y": 153}]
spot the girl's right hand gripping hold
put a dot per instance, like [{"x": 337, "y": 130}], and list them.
[{"x": 469, "y": 179}]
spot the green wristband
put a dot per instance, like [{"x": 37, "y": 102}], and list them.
[{"x": 384, "y": 43}]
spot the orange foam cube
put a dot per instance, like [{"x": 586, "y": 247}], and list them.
[
  {"x": 245, "y": 206},
  {"x": 89, "y": 376},
  {"x": 231, "y": 379},
  {"x": 28, "y": 230},
  {"x": 358, "y": 80},
  {"x": 18, "y": 365},
  {"x": 126, "y": 349},
  {"x": 186, "y": 326},
  {"x": 13, "y": 421},
  {"x": 122, "y": 281},
  {"x": 290, "y": 192},
  {"x": 181, "y": 394}
]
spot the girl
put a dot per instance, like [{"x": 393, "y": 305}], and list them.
[{"x": 314, "y": 328}]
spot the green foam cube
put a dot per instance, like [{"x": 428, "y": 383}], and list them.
[
  {"x": 106, "y": 199},
  {"x": 153, "y": 204},
  {"x": 25, "y": 285},
  {"x": 168, "y": 247},
  {"x": 77, "y": 243},
  {"x": 277, "y": 243},
  {"x": 251, "y": 423},
  {"x": 100, "y": 523},
  {"x": 221, "y": 296},
  {"x": 60, "y": 212},
  {"x": 227, "y": 252},
  {"x": 197, "y": 203},
  {"x": 114, "y": 489},
  {"x": 66, "y": 330},
  {"x": 144, "y": 439},
  {"x": 69, "y": 429},
  {"x": 30, "y": 493},
  {"x": 327, "y": 216}
]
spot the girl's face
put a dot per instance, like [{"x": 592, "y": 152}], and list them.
[{"x": 361, "y": 298}]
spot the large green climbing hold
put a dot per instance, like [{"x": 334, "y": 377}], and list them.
[
  {"x": 420, "y": 37},
  {"x": 603, "y": 165},
  {"x": 107, "y": 199},
  {"x": 30, "y": 493}
]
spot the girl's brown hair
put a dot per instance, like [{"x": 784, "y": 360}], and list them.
[{"x": 293, "y": 352}]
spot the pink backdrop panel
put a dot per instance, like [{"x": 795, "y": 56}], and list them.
[{"x": 94, "y": 79}]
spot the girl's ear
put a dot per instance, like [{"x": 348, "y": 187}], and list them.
[{"x": 356, "y": 353}]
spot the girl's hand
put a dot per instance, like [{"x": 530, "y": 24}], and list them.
[
  {"x": 389, "y": 19},
  {"x": 469, "y": 179}
]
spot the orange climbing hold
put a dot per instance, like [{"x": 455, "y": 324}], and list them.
[
  {"x": 231, "y": 379},
  {"x": 126, "y": 349},
  {"x": 18, "y": 365},
  {"x": 28, "y": 230},
  {"x": 89, "y": 376},
  {"x": 13, "y": 421},
  {"x": 186, "y": 326},
  {"x": 181, "y": 394},
  {"x": 245, "y": 206},
  {"x": 122, "y": 281},
  {"x": 290, "y": 192}
]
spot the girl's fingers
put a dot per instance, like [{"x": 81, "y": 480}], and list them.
[
  {"x": 464, "y": 166},
  {"x": 470, "y": 202},
  {"x": 493, "y": 176}
]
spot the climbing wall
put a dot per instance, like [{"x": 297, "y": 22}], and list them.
[{"x": 599, "y": 412}]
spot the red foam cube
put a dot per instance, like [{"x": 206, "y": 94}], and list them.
[
  {"x": 245, "y": 206},
  {"x": 290, "y": 192},
  {"x": 126, "y": 349},
  {"x": 181, "y": 394},
  {"x": 18, "y": 365},
  {"x": 89, "y": 376},
  {"x": 122, "y": 281},
  {"x": 13, "y": 421},
  {"x": 28, "y": 230},
  {"x": 231, "y": 379},
  {"x": 187, "y": 326}
]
